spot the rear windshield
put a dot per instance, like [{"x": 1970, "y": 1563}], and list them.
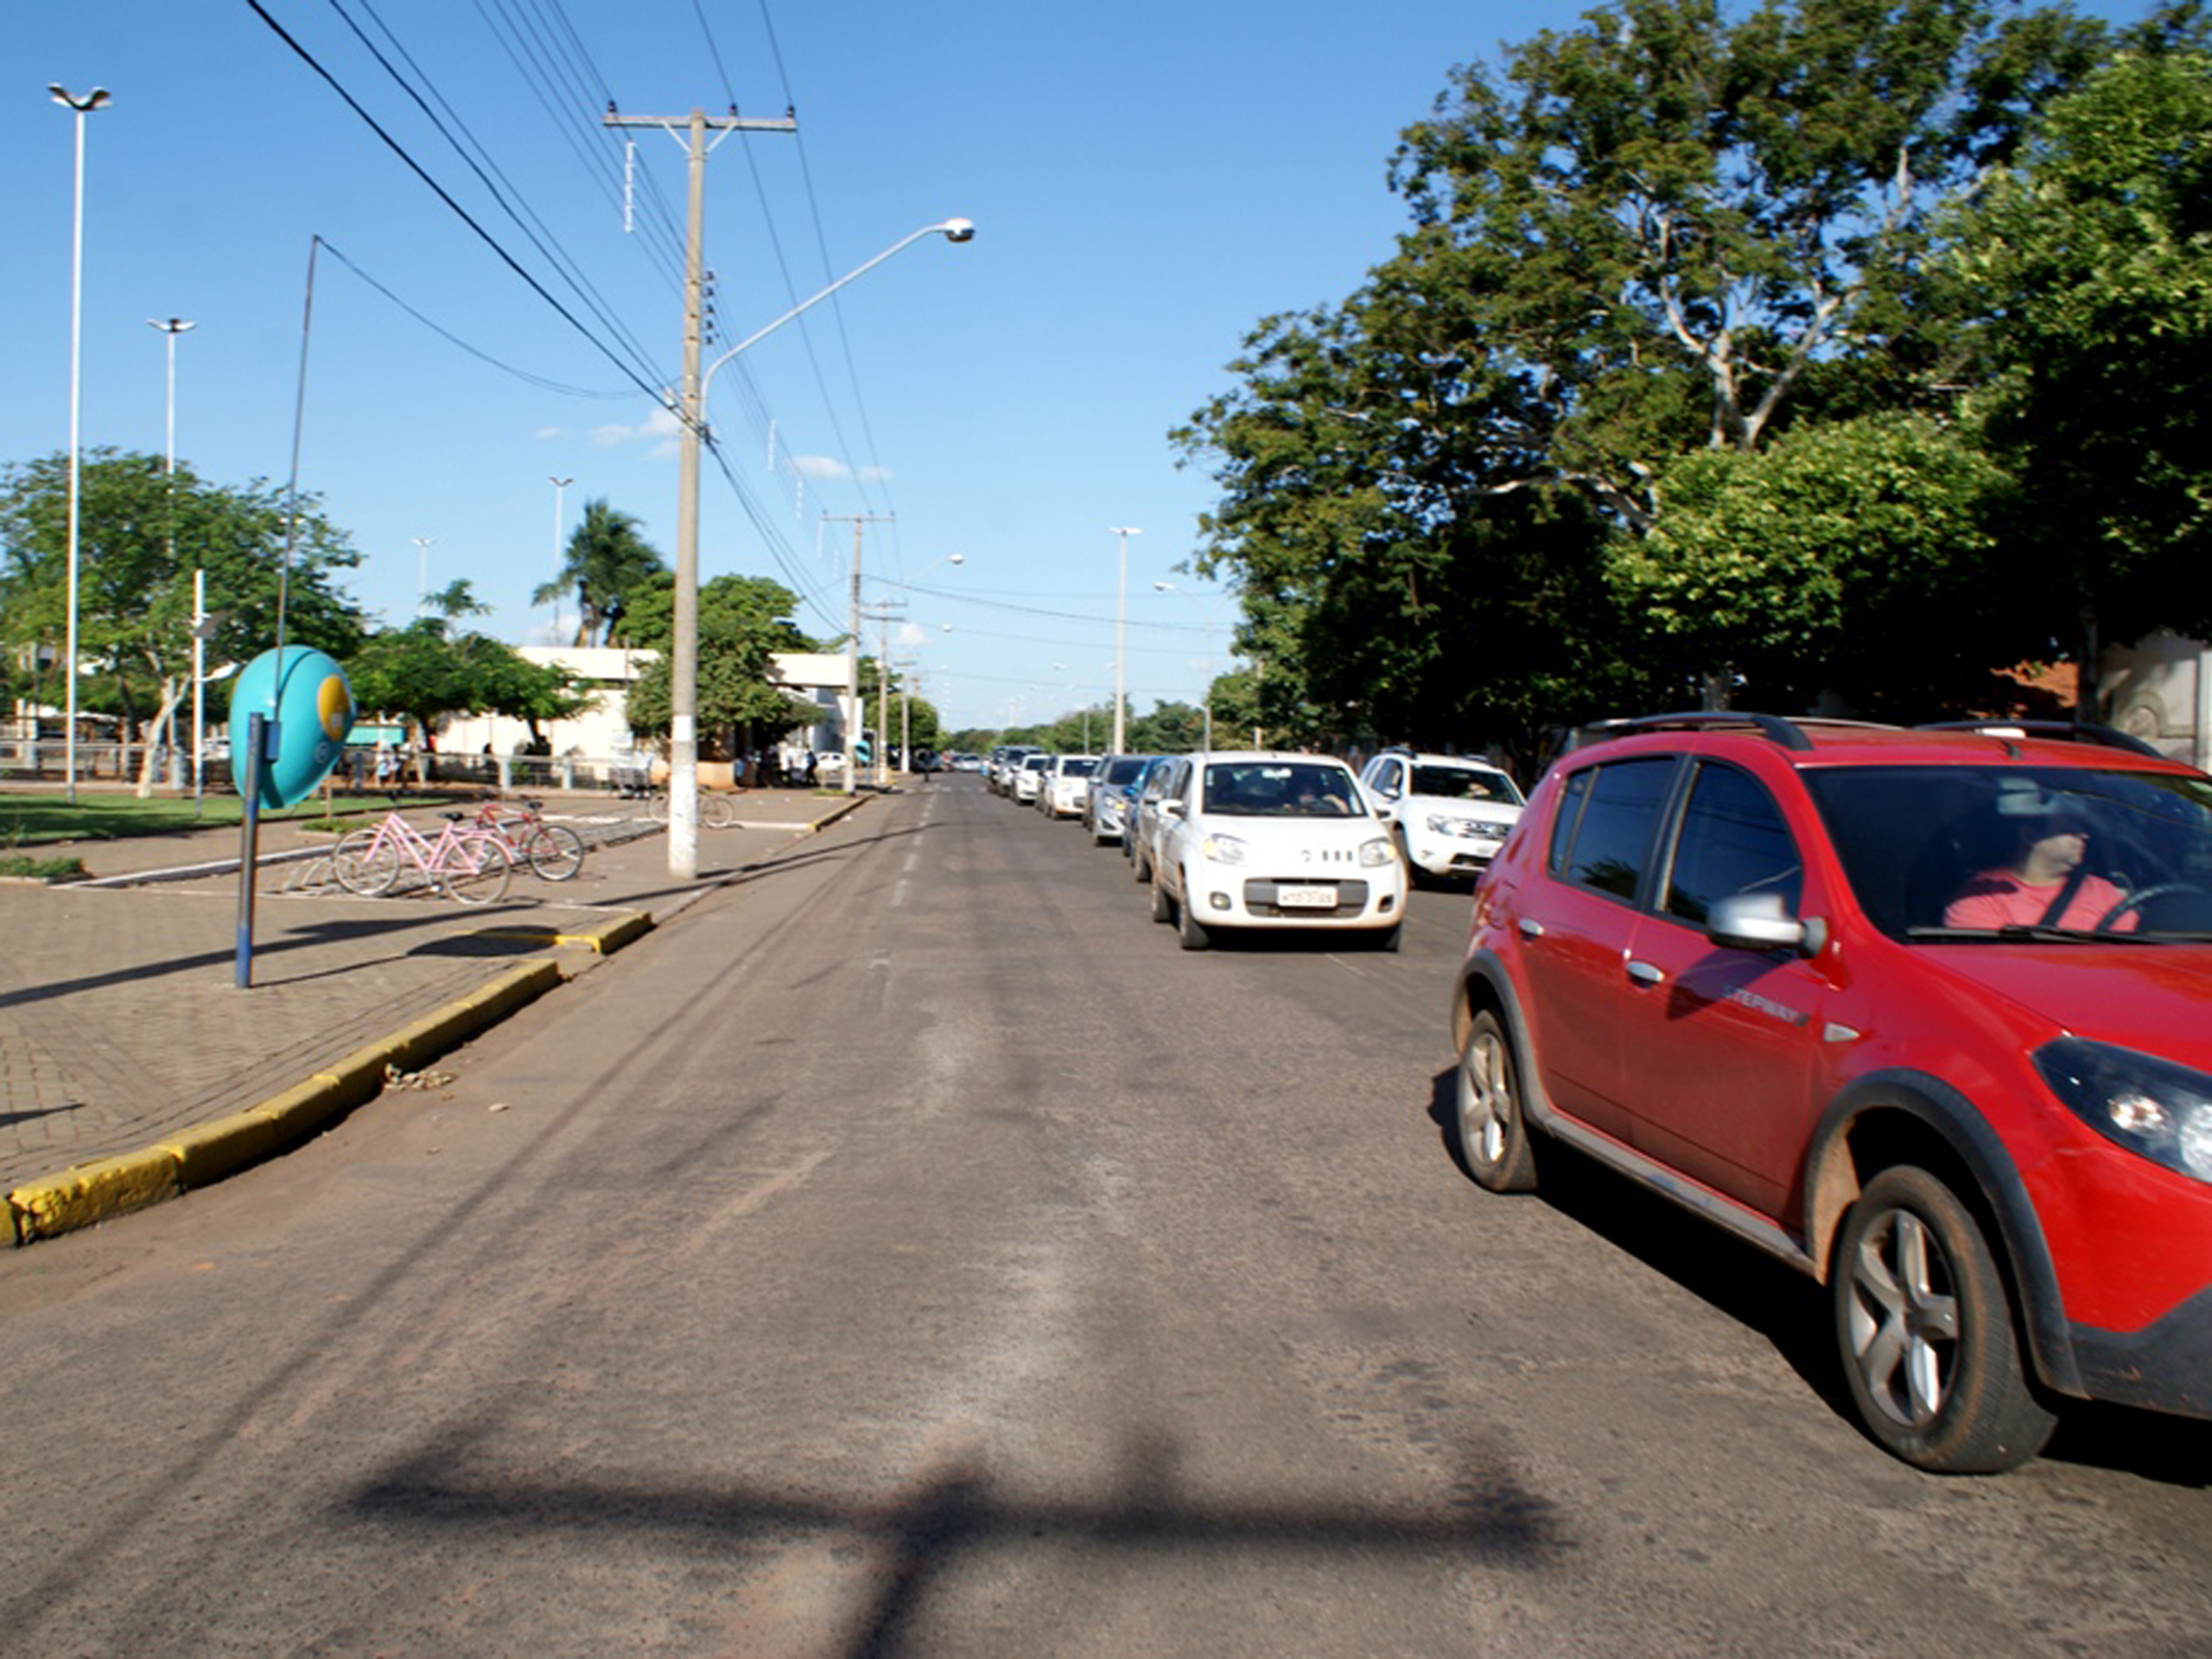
[{"x": 1996, "y": 852}]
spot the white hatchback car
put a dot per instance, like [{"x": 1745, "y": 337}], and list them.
[
  {"x": 1450, "y": 815},
  {"x": 1269, "y": 840},
  {"x": 1065, "y": 783}
]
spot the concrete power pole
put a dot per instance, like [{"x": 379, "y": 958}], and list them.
[
  {"x": 853, "y": 646},
  {"x": 684, "y": 657}
]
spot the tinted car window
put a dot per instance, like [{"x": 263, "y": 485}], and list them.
[
  {"x": 1611, "y": 837},
  {"x": 1464, "y": 783},
  {"x": 1733, "y": 840}
]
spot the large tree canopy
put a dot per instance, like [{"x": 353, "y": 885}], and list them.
[
  {"x": 141, "y": 534},
  {"x": 1666, "y": 234},
  {"x": 2092, "y": 262}
]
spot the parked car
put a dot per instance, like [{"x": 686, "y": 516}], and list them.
[
  {"x": 1141, "y": 834},
  {"x": 1253, "y": 840},
  {"x": 1926, "y": 1014},
  {"x": 1106, "y": 801},
  {"x": 1025, "y": 775},
  {"x": 1449, "y": 815},
  {"x": 1062, "y": 784},
  {"x": 1005, "y": 761}
]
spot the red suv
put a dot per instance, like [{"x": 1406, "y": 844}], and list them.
[{"x": 1927, "y": 1014}]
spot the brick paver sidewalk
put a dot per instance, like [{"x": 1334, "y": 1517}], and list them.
[{"x": 121, "y": 1020}]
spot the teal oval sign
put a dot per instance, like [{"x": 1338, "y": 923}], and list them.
[{"x": 303, "y": 694}]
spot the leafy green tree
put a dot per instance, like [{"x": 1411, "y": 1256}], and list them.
[
  {"x": 1861, "y": 561},
  {"x": 1170, "y": 728},
  {"x": 743, "y": 622},
  {"x": 2092, "y": 260},
  {"x": 608, "y": 567},
  {"x": 1664, "y": 231},
  {"x": 142, "y": 534},
  {"x": 431, "y": 669}
]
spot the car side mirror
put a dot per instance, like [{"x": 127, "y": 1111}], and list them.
[
  {"x": 1173, "y": 809},
  {"x": 1760, "y": 921}
]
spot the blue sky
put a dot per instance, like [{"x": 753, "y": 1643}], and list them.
[{"x": 1147, "y": 181}]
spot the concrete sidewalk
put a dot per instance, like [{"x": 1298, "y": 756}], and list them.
[{"x": 133, "y": 1068}]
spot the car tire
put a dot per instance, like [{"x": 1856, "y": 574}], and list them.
[
  {"x": 1163, "y": 908},
  {"x": 1139, "y": 865},
  {"x": 1190, "y": 932},
  {"x": 1930, "y": 1348},
  {"x": 1415, "y": 876},
  {"x": 1489, "y": 1125}
]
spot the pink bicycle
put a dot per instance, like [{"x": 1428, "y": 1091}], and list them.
[{"x": 470, "y": 866}]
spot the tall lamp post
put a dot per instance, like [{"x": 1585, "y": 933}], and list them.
[
  {"x": 1122, "y": 633},
  {"x": 172, "y": 327},
  {"x": 423, "y": 546},
  {"x": 95, "y": 99},
  {"x": 560, "y": 490},
  {"x": 683, "y": 658}
]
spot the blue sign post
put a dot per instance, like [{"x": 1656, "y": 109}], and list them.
[{"x": 290, "y": 710}]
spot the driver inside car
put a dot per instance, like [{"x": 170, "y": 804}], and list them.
[{"x": 2046, "y": 883}]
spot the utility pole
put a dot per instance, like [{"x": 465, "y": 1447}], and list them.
[
  {"x": 884, "y": 615},
  {"x": 684, "y": 657},
  {"x": 853, "y": 643}
]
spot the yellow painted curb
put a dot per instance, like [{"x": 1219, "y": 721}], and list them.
[
  {"x": 90, "y": 1192},
  {"x": 612, "y": 936}
]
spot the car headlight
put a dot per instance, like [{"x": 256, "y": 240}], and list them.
[
  {"x": 1223, "y": 850},
  {"x": 1377, "y": 852},
  {"x": 2151, "y": 1106}
]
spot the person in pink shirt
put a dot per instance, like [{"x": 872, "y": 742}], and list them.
[{"x": 2044, "y": 885}]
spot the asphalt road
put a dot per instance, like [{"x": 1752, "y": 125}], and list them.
[{"x": 911, "y": 1251}]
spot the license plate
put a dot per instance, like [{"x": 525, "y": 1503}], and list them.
[{"x": 1306, "y": 898}]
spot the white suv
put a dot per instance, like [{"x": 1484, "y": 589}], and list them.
[
  {"x": 1449, "y": 815},
  {"x": 1253, "y": 840}
]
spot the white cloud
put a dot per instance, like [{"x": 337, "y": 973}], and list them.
[{"x": 658, "y": 429}]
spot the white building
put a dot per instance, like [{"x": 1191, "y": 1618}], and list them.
[
  {"x": 603, "y": 729},
  {"x": 2160, "y": 689}
]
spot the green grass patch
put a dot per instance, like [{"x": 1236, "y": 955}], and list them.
[
  {"x": 42, "y": 870},
  {"x": 43, "y": 820}
]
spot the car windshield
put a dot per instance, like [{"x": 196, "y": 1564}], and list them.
[
  {"x": 1082, "y": 768},
  {"x": 1124, "y": 769},
  {"x": 1979, "y": 853},
  {"x": 1254, "y": 788},
  {"x": 1466, "y": 783}
]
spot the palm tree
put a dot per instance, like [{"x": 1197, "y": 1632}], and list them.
[{"x": 608, "y": 561}]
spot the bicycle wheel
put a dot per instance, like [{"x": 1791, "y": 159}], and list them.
[
  {"x": 365, "y": 864},
  {"x": 555, "y": 853},
  {"x": 657, "y": 806},
  {"x": 715, "y": 810},
  {"x": 475, "y": 871}
]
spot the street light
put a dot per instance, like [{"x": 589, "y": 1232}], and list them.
[
  {"x": 1120, "y": 632},
  {"x": 171, "y": 328},
  {"x": 684, "y": 657},
  {"x": 95, "y": 99},
  {"x": 423, "y": 546}
]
